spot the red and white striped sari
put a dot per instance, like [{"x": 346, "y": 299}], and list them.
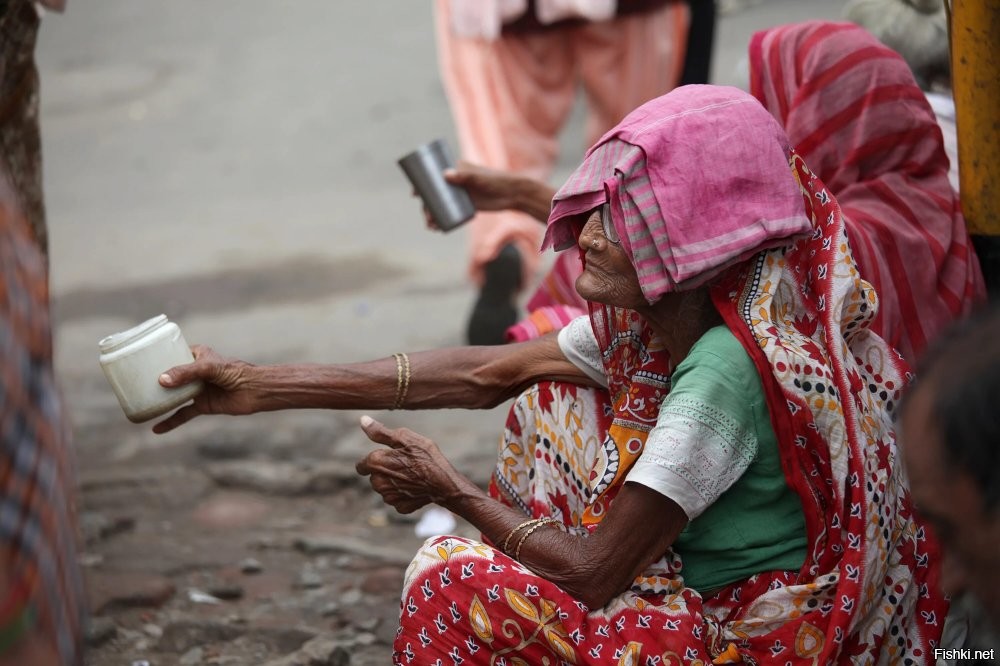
[{"x": 853, "y": 111}]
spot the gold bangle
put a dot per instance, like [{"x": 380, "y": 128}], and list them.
[
  {"x": 506, "y": 542},
  {"x": 406, "y": 382},
  {"x": 542, "y": 522},
  {"x": 399, "y": 380}
]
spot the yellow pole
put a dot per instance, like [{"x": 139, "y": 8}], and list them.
[{"x": 975, "y": 62}]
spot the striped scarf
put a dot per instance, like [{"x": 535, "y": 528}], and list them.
[{"x": 684, "y": 214}]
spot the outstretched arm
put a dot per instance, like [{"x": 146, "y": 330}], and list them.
[{"x": 463, "y": 377}]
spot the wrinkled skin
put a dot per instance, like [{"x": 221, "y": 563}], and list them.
[
  {"x": 608, "y": 276},
  {"x": 495, "y": 190},
  {"x": 227, "y": 388},
  {"x": 409, "y": 474},
  {"x": 489, "y": 189},
  {"x": 409, "y": 471},
  {"x": 413, "y": 472}
]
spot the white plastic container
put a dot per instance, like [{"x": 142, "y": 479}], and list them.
[{"x": 133, "y": 361}]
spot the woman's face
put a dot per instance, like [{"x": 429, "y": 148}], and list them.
[{"x": 608, "y": 276}]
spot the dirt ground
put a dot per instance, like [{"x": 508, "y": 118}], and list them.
[{"x": 241, "y": 547}]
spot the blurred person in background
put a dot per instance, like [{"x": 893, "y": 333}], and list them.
[
  {"x": 511, "y": 70},
  {"x": 555, "y": 302},
  {"x": 853, "y": 110},
  {"x": 700, "y": 41},
  {"x": 915, "y": 29},
  {"x": 20, "y": 140},
  {"x": 918, "y": 31},
  {"x": 42, "y": 613},
  {"x": 949, "y": 434},
  {"x": 42, "y": 610}
]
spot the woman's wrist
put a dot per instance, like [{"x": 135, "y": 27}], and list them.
[
  {"x": 270, "y": 388},
  {"x": 253, "y": 381},
  {"x": 460, "y": 496},
  {"x": 533, "y": 197}
]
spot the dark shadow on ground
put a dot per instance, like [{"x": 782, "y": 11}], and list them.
[{"x": 297, "y": 280}]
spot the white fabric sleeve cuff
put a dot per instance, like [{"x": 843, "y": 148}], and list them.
[
  {"x": 577, "y": 342},
  {"x": 693, "y": 454}
]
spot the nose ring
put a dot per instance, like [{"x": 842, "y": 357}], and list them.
[{"x": 595, "y": 243}]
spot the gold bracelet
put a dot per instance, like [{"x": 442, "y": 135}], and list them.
[
  {"x": 541, "y": 523},
  {"x": 506, "y": 542},
  {"x": 399, "y": 380},
  {"x": 401, "y": 398}
]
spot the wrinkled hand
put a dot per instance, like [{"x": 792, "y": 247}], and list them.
[
  {"x": 226, "y": 390},
  {"x": 409, "y": 474},
  {"x": 489, "y": 189}
]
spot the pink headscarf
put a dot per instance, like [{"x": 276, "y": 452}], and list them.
[{"x": 684, "y": 214}]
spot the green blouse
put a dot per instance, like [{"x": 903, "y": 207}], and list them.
[{"x": 714, "y": 452}]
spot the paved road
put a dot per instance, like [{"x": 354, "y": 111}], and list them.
[{"x": 232, "y": 164}]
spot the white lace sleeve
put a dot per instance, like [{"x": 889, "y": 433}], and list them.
[
  {"x": 704, "y": 439},
  {"x": 577, "y": 342}
]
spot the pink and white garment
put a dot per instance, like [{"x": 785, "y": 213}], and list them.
[
  {"x": 511, "y": 95},
  {"x": 852, "y": 109},
  {"x": 484, "y": 18}
]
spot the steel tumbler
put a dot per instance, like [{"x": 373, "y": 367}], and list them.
[{"x": 449, "y": 205}]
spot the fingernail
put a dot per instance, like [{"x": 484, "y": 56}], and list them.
[
  {"x": 366, "y": 421},
  {"x": 165, "y": 379}
]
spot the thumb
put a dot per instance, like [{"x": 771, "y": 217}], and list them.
[
  {"x": 378, "y": 433},
  {"x": 180, "y": 375}
]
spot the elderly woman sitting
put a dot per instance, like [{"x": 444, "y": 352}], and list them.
[{"x": 702, "y": 469}]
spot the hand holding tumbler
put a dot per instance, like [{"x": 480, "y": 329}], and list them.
[{"x": 449, "y": 205}]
